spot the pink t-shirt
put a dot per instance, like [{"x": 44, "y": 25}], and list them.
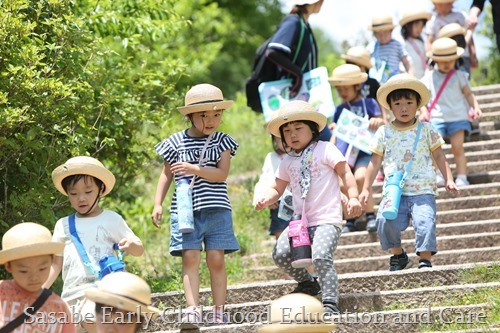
[
  {"x": 52, "y": 317},
  {"x": 323, "y": 205}
]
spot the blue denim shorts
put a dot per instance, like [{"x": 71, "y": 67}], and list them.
[
  {"x": 421, "y": 209},
  {"x": 213, "y": 228},
  {"x": 447, "y": 129},
  {"x": 277, "y": 224}
]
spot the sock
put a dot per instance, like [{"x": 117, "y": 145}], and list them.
[{"x": 464, "y": 177}]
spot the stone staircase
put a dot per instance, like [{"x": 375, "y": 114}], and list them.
[{"x": 453, "y": 296}]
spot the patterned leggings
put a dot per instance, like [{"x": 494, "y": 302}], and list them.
[{"x": 324, "y": 239}]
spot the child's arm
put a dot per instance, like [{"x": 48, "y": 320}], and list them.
[
  {"x": 55, "y": 270},
  {"x": 471, "y": 99},
  {"x": 444, "y": 167},
  {"x": 218, "y": 174},
  {"x": 164, "y": 182},
  {"x": 272, "y": 194},
  {"x": 132, "y": 247},
  {"x": 424, "y": 113},
  {"x": 371, "y": 173},
  {"x": 474, "y": 63},
  {"x": 349, "y": 182},
  {"x": 375, "y": 122},
  {"x": 407, "y": 64}
]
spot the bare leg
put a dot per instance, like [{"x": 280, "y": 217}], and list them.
[
  {"x": 191, "y": 276},
  {"x": 218, "y": 277}
]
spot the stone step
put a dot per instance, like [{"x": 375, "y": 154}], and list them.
[
  {"x": 351, "y": 304},
  {"x": 476, "y": 156},
  {"x": 373, "y": 281},
  {"x": 381, "y": 263},
  {"x": 491, "y": 111},
  {"x": 488, "y": 98},
  {"x": 486, "y": 126},
  {"x": 483, "y": 136},
  {"x": 458, "y": 215},
  {"x": 475, "y": 146},
  {"x": 486, "y": 90},
  {"x": 478, "y": 166}
]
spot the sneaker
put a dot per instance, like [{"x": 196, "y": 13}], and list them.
[
  {"x": 349, "y": 227},
  {"x": 217, "y": 317},
  {"x": 397, "y": 263},
  {"x": 440, "y": 180},
  {"x": 371, "y": 223},
  {"x": 191, "y": 319},
  {"x": 330, "y": 308},
  {"x": 424, "y": 263},
  {"x": 461, "y": 181},
  {"x": 308, "y": 287},
  {"x": 474, "y": 128}
]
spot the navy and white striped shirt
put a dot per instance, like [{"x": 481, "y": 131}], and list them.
[{"x": 180, "y": 147}]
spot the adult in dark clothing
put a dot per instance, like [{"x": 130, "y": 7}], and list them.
[{"x": 476, "y": 9}]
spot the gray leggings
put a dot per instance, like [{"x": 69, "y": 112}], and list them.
[{"x": 324, "y": 239}]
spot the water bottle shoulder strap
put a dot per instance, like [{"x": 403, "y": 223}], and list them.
[{"x": 79, "y": 245}]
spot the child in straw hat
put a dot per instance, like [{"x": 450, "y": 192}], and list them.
[
  {"x": 312, "y": 169},
  {"x": 360, "y": 57},
  {"x": 27, "y": 253},
  {"x": 84, "y": 180},
  {"x": 393, "y": 146},
  {"x": 412, "y": 24},
  {"x": 456, "y": 32},
  {"x": 347, "y": 79},
  {"x": 448, "y": 111},
  {"x": 122, "y": 304},
  {"x": 386, "y": 52},
  {"x": 202, "y": 156}
]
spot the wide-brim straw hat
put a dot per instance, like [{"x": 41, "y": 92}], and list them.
[
  {"x": 359, "y": 56},
  {"x": 442, "y": 1},
  {"x": 301, "y": 2},
  {"x": 28, "y": 239},
  {"x": 295, "y": 305},
  {"x": 444, "y": 49},
  {"x": 123, "y": 291},
  {"x": 380, "y": 23},
  {"x": 295, "y": 111},
  {"x": 204, "y": 97},
  {"x": 83, "y": 165},
  {"x": 347, "y": 75},
  {"x": 413, "y": 15},
  {"x": 402, "y": 81},
  {"x": 450, "y": 30}
]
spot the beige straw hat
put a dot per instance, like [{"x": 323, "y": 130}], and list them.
[
  {"x": 402, "y": 81},
  {"x": 294, "y": 306},
  {"x": 444, "y": 49},
  {"x": 442, "y": 1},
  {"x": 380, "y": 23},
  {"x": 83, "y": 165},
  {"x": 450, "y": 30},
  {"x": 301, "y": 2},
  {"x": 414, "y": 15},
  {"x": 28, "y": 239},
  {"x": 204, "y": 97},
  {"x": 359, "y": 56},
  {"x": 347, "y": 75},
  {"x": 123, "y": 291},
  {"x": 295, "y": 111}
]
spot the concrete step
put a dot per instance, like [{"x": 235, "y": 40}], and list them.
[
  {"x": 488, "y": 98},
  {"x": 486, "y": 126},
  {"x": 483, "y": 136},
  {"x": 491, "y": 111},
  {"x": 475, "y": 146},
  {"x": 486, "y": 90},
  {"x": 476, "y": 156}
]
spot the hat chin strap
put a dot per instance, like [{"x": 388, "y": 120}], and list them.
[{"x": 95, "y": 201}]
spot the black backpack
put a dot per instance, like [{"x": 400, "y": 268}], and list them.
[{"x": 265, "y": 70}]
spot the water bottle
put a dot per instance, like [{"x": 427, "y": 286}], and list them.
[
  {"x": 184, "y": 196},
  {"x": 392, "y": 195},
  {"x": 300, "y": 244}
]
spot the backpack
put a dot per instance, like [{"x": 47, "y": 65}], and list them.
[{"x": 264, "y": 70}]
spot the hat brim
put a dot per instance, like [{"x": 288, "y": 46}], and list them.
[
  {"x": 119, "y": 302},
  {"x": 403, "y": 83},
  {"x": 437, "y": 57},
  {"x": 72, "y": 169},
  {"x": 357, "y": 60},
  {"x": 382, "y": 27},
  {"x": 348, "y": 81},
  {"x": 32, "y": 250},
  {"x": 274, "y": 124},
  {"x": 301, "y": 3},
  {"x": 297, "y": 328},
  {"x": 223, "y": 105},
  {"x": 415, "y": 17}
]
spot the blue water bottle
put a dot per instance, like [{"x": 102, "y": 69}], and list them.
[
  {"x": 392, "y": 195},
  {"x": 184, "y": 196}
]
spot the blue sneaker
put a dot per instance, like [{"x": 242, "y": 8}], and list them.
[{"x": 400, "y": 262}]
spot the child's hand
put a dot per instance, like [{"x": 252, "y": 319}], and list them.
[
  {"x": 274, "y": 205},
  {"x": 375, "y": 123},
  {"x": 424, "y": 115},
  {"x": 124, "y": 245},
  {"x": 477, "y": 113},
  {"x": 452, "y": 187},
  {"x": 156, "y": 216},
  {"x": 344, "y": 200},
  {"x": 363, "y": 198},
  {"x": 183, "y": 168},
  {"x": 354, "y": 207},
  {"x": 261, "y": 204}
]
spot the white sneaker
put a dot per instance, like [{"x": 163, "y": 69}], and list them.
[
  {"x": 440, "y": 180},
  {"x": 461, "y": 181}
]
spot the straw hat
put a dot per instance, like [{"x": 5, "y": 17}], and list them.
[
  {"x": 295, "y": 111},
  {"x": 414, "y": 15},
  {"x": 380, "y": 23},
  {"x": 123, "y": 291},
  {"x": 347, "y": 75},
  {"x": 83, "y": 165},
  {"x": 204, "y": 97},
  {"x": 26, "y": 240},
  {"x": 444, "y": 49},
  {"x": 294, "y": 306},
  {"x": 450, "y": 30},
  {"x": 359, "y": 56},
  {"x": 442, "y": 1},
  {"x": 301, "y": 2},
  {"x": 402, "y": 81}
]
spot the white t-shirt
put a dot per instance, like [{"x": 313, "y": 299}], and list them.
[
  {"x": 323, "y": 205},
  {"x": 98, "y": 234}
]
